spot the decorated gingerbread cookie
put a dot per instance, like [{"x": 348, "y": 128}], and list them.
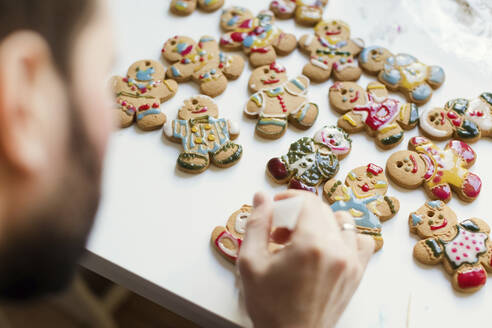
[
  {"x": 204, "y": 136},
  {"x": 464, "y": 119},
  {"x": 439, "y": 170},
  {"x": 331, "y": 50},
  {"x": 260, "y": 39},
  {"x": 278, "y": 101},
  {"x": 186, "y": 7},
  {"x": 305, "y": 12},
  {"x": 381, "y": 116},
  {"x": 140, "y": 94},
  {"x": 402, "y": 72},
  {"x": 364, "y": 196},
  {"x": 202, "y": 62},
  {"x": 311, "y": 161},
  {"x": 463, "y": 248}
]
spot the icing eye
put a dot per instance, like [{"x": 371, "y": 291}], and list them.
[
  {"x": 339, "y": 28},
  {"x": 431, "y": 222},
  {"x": 266, "y": 71},
  {"x": 326, "y": 28},
  {"x": 430, "y": 213}
]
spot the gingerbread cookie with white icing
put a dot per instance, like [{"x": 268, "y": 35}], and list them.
[
  {"x": 383, "y": 117},
  {"x": 186, "y": 7},
  {"x": 305, "y": 12},
  {"x": 464, "y": 119},
  {"x": 332, "y": 52},
  {"x": 464, "y": 248}
]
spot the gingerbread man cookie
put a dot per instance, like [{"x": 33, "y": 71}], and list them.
[
  {"x": 464, "y": 119},
  {"x": 278, "y": 101},
  {"x": 140, "y": 94},
  {"x": 331, "y": 51},
  {"x": 202, "y": 62},
  {"x": 311, "y": 161},
  {"x": 382, "y": 117},
  {"x": 463, "y": 248},
  {"x": 402, "y": 72},
  {"x": 260, "y": 39},
  {"x": 204, "y": 136},
  {"x": 439, "y": 170},
  {"x": 186, "y": 7},
  {"x": 364, "y": 196},
  {"x": 306, "y": 12}
]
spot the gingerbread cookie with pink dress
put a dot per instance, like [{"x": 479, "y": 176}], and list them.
[
  {"x": 305, "y": 12},
  {"x": 463, "y": 248}
]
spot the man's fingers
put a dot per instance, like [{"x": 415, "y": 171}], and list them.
[
  {"x": 289, "y": 193},
  {"x": 366, "y": 246},
  {"x": 347, "y": 228}
]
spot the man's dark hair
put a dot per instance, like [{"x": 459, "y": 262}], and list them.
[{"x": 56, "y": 20}]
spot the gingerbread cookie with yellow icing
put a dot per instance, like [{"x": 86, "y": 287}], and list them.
[
  {"x": 402, "y": 72},
  {"x": 259, "y": 37},
  {"x": 202, "y": 62},
  {"x": 381, "y": 116},
  {"x": 440, "y": 171},
  {"x": 305, "y": 12},
  {"x": 140, "y": 94},
  {"x": 363, "y": 195},
  {"x": 332, "y": 52},
  {"x": 464, "y": 248},
  {"x": 186, "y": 7}
]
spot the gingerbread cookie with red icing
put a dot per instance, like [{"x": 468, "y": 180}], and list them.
[
  {"x": 278, "y": 101},
  {"x": 381, "y": 116},
  {"x": 201, "y": 62},
  {"x": 463, "y": 248},
  {"x": 140, "y": 94},
  {"x": 363, "y": 195},
  {"x": 464, "y": 119},
  {"x": 332, "y": 52},
  {"x": 440, "y": 171},
  {"x": 186, "y": 7},
  {"x": 305, "y": 12},
  {"x": 259, "y": 37}
]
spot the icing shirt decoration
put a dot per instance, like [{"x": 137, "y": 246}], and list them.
[
  {"x": 378, "y": 114},
  {"x": 466, "y": 247},
  {"x": 335, "y": 138}
]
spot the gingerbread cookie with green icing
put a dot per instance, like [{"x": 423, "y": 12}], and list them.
[
  {"x": 201, "y": 62},
  {"x": 464, "y": 248},
  {"x": 204, "y": 136},
  {"x": 440, "y": 171},
  {"x": 363, "y": 195},
  {"x": 278, "y": 101},
  {"x": 464, "y": 119},
  {"x": 259, "y": 37},
  {"x": 383, "y": 117},
  {"x": 140, "y": 94},
  {"x": 402, "y": 72},
  {"x": 186, "y": 7},
  {"x": 305, "y": 12},
  {"x": 332, "y": 52}
]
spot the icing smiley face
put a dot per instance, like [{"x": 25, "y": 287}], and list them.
[
  {"x": 336, "y": 139},
  {"x": 372, "y": 58},
  {"x": 198, "y": 106},
  {"x": 367, "y": 181},
  {"x": 232, "y": 17},
  {"x": 432, "y": 219},
  {"x": 347, "y": 95},
  {"x": 407, "y": 167},
  {"x": 177, "y": 47},
  {"x": 267, "y": 77},
  {"x": 146, "y": 71},
  {"x": 435, "y": 123},
  {"x": 332, "y": 30}
]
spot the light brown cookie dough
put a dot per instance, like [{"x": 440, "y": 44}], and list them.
[
  {"x": 383, "y": 118},
  {"x": 140, "y": 94},
  {"x": 201, "y": 62},
  {"x": 305, "y": 12},
  {"x": 464, "y": 248},
  {"x": 364, "y": 196},
  {"x": 331, "y": 52},
  {"x": 204, "y": 136},
  {"x": 186, "y": 7},
  {"x": 258, "y": 36}
]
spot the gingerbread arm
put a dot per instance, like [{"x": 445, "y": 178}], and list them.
[
  {"x": 298, "y": 85},
  {"x": 385, "y": 207},
  {"x": 429, "y": 251},
  {"x": 462, "y": 150},
  {"x": 354, "y": 46},
  {"x": 209, "y": 44},
  {"x": 408, "y": 116},
  {"x": 351, "y": 122},
  {"x": 308, "y": 43},
  {"x": 233, "y": 129},
  {"x": 475, "y": 225},
  {"x": 165, "y": 91},
  {"x": 231, "y": 41},
  {"x": 255, "y": 105},
  {"x": 171, "y": 133},
  {"x": 179, "y": 72},
  {"x": 335, "y": 190}
]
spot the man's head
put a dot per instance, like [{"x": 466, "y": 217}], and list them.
[{"x": 55, "y": 120}]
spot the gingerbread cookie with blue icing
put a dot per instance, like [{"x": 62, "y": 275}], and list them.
[
  {"x": 259, "y": 37},
  {"x": 205, "y": 137},
  {"x": 201, "y": 62},
  {"x": 363, "y": 195},
  {"x": 463, "y": 248},
  {"x": 439, "y": 170},
  {"x": 140, "y": 93},
  {"x": 402, "y": 72},
  {"x": 332, "y": 52},
  {"x": 383, "y": 117},
  {"x": 186, "y": 7},
  {"x": 464, "y": 119},
  {"x": 305, "y": 12}
]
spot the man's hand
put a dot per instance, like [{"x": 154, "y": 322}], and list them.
[{"x": 309, "y": 282}]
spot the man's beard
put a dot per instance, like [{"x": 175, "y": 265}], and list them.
[{"x": 42, "y": 257}]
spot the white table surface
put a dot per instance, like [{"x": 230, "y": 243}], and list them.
[{"x": 153, "y": 229}]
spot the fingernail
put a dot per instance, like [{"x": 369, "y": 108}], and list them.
[{"x": 258, "y": 199}]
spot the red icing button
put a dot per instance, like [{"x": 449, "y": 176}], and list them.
[
  {"x": 471, "y": 279},
  {"x": 296, "y": 184},
  {"x": 277, "y": 169},
  {"x": 442, "y": 192},
  {"x": 472, "y": 185}
]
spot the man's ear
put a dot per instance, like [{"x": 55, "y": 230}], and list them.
[{"x": 32, "y": 103}]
